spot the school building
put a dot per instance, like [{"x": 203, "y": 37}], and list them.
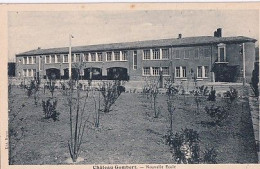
[{"x": 204, "y": 58}]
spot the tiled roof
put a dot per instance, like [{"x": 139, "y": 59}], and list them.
[{"x": 187, "y": 41}]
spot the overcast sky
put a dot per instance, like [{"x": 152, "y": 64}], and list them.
[{"x": 30, "y": 30}]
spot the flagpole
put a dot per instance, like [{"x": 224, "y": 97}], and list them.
[{"x": 70, "y": 56}]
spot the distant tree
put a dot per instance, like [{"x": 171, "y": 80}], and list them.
[{"x": 255, "y": 79}]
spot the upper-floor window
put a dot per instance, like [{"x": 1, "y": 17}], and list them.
[
  {"x": 85, "y": 57},
  {"x": 52, "y": 59},
  {"x": 156, "y": 54},
  {"x": 221, "y": 52},
  {"x": 58, "y": 59},
  {"x": 65, "y": 58},
  {"x": 135, "y": 60},
  {"x": 109, "y": 56},
  {"x": 34, "y": 60},
  {"x": 77, "y": 57},
  {"x": 196, "y": 54},
  {"x": 99, "y": 57},
  {"x": 177, "y": 54},
  {"x": 186, "y": 54},
  {"x": 124, "y": 55},
  {"x": 93, "y": 57},
  {"x": 146, "y": 71},
  {"x": 117, "y": 55},
  {"x": 207, "y": 52},
  {"x": 29, "y": 60},
  {"x": 165, "y": 53},
  {"x": 47, "y": 59},
  {"x": 146, "y": 54}
]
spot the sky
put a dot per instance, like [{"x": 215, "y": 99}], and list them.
[{"x": 30, "y": 30}]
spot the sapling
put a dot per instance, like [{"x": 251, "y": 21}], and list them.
[{"x": 171, "y": 110}]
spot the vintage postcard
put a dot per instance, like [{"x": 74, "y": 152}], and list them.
[{"x": 130, "y": 85}]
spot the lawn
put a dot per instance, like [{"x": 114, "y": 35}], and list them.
[{"x": 129, "y": 133}]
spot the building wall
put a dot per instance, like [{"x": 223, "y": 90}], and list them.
[{"x": 203, "y": 55}]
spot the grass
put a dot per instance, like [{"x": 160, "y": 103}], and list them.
[{"x": 129, "y": 133}]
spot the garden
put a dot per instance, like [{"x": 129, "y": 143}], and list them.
[{"x": 103, "y": 124}]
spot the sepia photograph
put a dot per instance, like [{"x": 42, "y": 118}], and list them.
[{"x": 146, "y": 86}]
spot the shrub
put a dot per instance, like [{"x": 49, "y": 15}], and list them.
[
  {"x": 110, "y": 94},
  {"x": 210, "y": 156},
  {"x": 30, "y": 88},
  {"x": 212, "y": 95},
  {"x": 232, "y": 94},
  {"x": 255, "y": 80},
  {"x": 185, "y": 146},
  {"x": 49, "y": 109},
  {"x": 218, "y": 114}
]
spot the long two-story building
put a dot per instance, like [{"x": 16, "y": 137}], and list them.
[{"x": 204, "y": 58}]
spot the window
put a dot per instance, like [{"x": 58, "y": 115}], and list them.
[
  {"x": 165, "y": 70},
  {"x": 206, "y": 71},
  {"x": 199, "y": 72},
  {"x": 165, "y": 53},
  {"x": 117, "y": 55},
  {"x": 77, "y": 57},
  {"x": 221, "y": 53},
  {"x": 29, "y": 71},
  {"x": 178, "y": 71},
  {"x": 34, "y": 72},
  {"x": 146, "y": 55},
  {"x": 85, "y": 58},
  {"x": 135, "y": 60},
  {"x": 24, "y": 72},
  {"x": 40, "y": 63},
  {"x": 34, "y": 60},
  {"x": 24, "y": 60},
  {"x": 184, "y": 72},
  {"x": 177, "y": 54},
  {"x": 47, "y": 59},
  {"x": 99, "y": 57},
  {"x": 65, "y": 58},
  {"x": 156, "y": 71},
  {"x": 52, "y": 59},
  {"x": 124, "y": 55},
  {"x": 109, "y": 56},
  {"x": 93, "y": 57},
  {"x": 156, "y": 54},
  {"x": 58, "y": 58},
  {"x": 30, "y": 60},
  {"x": 207, "y": 52},
  {"x": 196, "y": 54},
  {"x": 186, "y": 54},
  {"x": 146, "y": 71}
]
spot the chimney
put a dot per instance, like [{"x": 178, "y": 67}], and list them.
[
  {"x": 39, "y": 48},
  {"x": 219, "y": 32},
  {"x": 215, "y": 34},
  {"x": 179, "y": 36}
]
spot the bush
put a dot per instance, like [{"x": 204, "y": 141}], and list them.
[
  {"x": 110, "y": 94},
  {"x": 185, "y": 146},
  {"x": 255, "y": 80},
  {"x": 218, "y": 114},
  {"x": 232, "y": 94},
  {"x": 49, "y": 109},
  {"x": 212, "y": 95}
]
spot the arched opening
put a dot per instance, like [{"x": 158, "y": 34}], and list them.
[
  {"x": 53, "y": 73},
  {"x": 75, "y": 73},
  {"x": 117, "y": 73},
  {"x": 93, "y": 73}
]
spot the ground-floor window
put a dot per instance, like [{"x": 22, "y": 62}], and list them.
[
  {"x": 165, "y": 70},
  {"x": 156, "y": 71},
  {"x": 202, "y": 71},
  {"x": 146, "y": 71},
  {"x": 29, "y": 72},
  {"x": 180, "y": 72}
]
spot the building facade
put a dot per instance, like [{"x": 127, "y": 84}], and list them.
[{"x": 204, "y": 58}]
